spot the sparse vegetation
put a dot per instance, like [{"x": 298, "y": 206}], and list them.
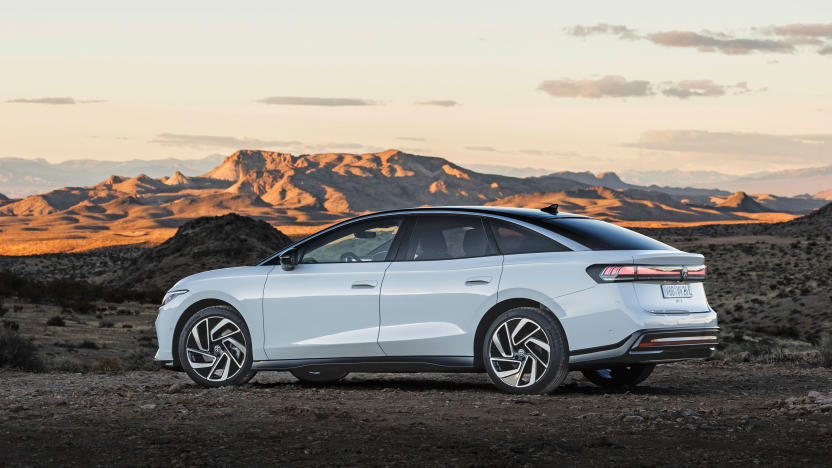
[
  {"x": 105, "y": 324},
  {"x": 826, "y": 351},
  {"x": 87, "y": 344},
  {"x": 55, "y": 321},
  {"x": 17, "y": 352},
  {"x": 106, "y": 365}
]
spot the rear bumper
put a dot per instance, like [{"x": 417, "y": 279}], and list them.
[{"x": 651, "y": 346}]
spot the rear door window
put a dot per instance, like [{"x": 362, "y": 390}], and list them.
[
  {"x": 448, "y": 237},
  {"x": 514, "y": 239}
]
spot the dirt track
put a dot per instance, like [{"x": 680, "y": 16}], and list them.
[{"x": 685, "y": 414}]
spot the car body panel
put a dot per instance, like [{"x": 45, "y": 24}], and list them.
[
  {"x": 239, "y": 287},
  {"x": 323, "y": 310},
  {"x": 433, "y": 307}
]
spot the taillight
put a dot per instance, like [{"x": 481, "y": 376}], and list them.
[{"x": 616, "y": 273}]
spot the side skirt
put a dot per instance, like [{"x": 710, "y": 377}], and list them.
[{"x": 408, "y": 364}]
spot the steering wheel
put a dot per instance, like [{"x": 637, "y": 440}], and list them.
[{"x": 347, "y": 257}]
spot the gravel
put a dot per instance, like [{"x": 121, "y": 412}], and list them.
[{"x": 685, "y": 414}]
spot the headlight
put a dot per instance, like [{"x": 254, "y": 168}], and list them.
[{"x": 172, "y": 294}]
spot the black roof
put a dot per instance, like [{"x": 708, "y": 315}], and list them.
[{"x": 521, "y": 214}]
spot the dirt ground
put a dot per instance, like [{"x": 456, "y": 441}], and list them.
[{"x": 698, "y": 413}]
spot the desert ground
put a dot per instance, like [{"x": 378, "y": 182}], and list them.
[{"x": 710, "y": 413}]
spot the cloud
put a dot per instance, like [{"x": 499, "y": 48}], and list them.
[
  {"x": 804, "y": 30},
  {"x": 826, "y": 50},
  {"x": 608, "y": 86},
  {"x": 783, "y": 39},
  {"x": 757, "y": 147},
  {"x": 724, "y": 44},
  {"x": 439, "y": 102},
  {"x": 481, "y": 148},
  {"x": 216, "y": 141},
  {"x": 55, "y": 101},
  {"x": 316, "y": 101},
  {"x": 335, "y": 147},
  {"x": 623, "y": 32},
  {"x": 617, "y": 86},
  {"x": 701, "y": 88},
  {"x": 405, "y": 138}
]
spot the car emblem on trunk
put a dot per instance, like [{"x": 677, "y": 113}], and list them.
[{"x": 684, "y": 273}]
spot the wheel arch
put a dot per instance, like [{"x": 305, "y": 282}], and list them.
[
  {"x": 493, "y": 313},
  {"x": 187, "y": 314}
]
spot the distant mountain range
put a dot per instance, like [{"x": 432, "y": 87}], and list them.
[
  {"x": 301, "y": 193},
  {"x": 811, "y": 181},
  {"x": 23, "y": 177}
]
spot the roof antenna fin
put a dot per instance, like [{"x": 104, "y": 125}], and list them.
[{"x": 551, "y": 209}]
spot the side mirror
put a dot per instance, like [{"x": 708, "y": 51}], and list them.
[{"x": 288, "y": 260}]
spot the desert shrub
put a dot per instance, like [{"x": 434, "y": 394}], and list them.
[
  {"x": 11, "y": 325},
  {"x": 826, "y": 351},
  {"x": 18, "y": 353},
  {"x": 87, "y": 344},
  {"x": 105, "y": 324},
  {"x": 107, "y": 364},
  {"x": 65, "y": 365},
  {"x": 140, "y": 360},
  {"x": 127, "y": 325},
  {"x": 2, "y": 310},
  {"x": 55, "y": 321},
  {"x": 69, "y": 293}
]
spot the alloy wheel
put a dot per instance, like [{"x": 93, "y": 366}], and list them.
[
  {"x": 216, "y": 348},
  {"x": 519, "y": 352}
]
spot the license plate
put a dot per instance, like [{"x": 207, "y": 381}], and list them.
[{"x": 671, "y": 291}]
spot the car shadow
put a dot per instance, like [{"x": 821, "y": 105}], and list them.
[{"x": 469, "y": 383}]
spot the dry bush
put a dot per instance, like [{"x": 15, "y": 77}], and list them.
[
  {"x": 106, "y": 364},
  {"x": 18, "y": 352},
  {"x": 826, "y": 351},
  {"x": 56, "y": 321}
]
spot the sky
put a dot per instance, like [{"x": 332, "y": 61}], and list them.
[{"x": 736, "y": 87}]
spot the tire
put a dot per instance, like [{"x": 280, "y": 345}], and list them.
[
  {"x": 318, "y": 377},
  {"x": 514, "y": 362},
  {"x": 619, "y": 377},
  {"x": 215, "y": 348},
  {"x": 248, "y": 378}
]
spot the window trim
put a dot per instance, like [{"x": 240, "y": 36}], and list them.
[
  {"x": 414, "y": 218},
  {"x": 301, "y": 249},
  {"x": 493, "y": 230}
]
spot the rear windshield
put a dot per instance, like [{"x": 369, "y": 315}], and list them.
[{"x": 599, "y": 235}]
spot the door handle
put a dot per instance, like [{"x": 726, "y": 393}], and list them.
[
  {"x": 477, "y": 280},
  {"x": 364, "y": 284}
]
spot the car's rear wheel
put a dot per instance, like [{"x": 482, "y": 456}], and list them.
[
  {"x": 319, "y": 376},
  {"x": 525, "y": 351},
  {"x": 619, "y": 376},
  {"x": 215, "y": 348}
]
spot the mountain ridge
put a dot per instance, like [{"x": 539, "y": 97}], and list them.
[{"x": 301, "y": 193}]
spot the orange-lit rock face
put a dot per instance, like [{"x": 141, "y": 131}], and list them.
[{"x": 303, "y": 193}]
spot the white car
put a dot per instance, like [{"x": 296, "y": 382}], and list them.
[{"x": 524, "y": 295}]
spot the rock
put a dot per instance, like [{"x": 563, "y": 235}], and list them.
[
  {"x": 176, "y": 388},
  {"x": 633, "y": 418},
  {"x": 815, "y": 394},
  {"x": 743, "y": 356},
  {"x": 148, "y": 406}
]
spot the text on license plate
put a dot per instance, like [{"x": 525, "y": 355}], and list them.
[{"x": 676, "y": 290}]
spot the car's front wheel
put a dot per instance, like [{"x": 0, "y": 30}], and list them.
[
  {"x": 620, "y": 376},
  {"x": 525, "y": 351},
  {"x": 215, "y": 347}
]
